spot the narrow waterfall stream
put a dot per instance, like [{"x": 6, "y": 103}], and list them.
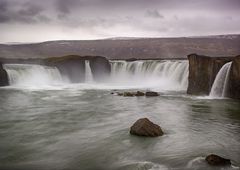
[
  {"x": 88, "y": 73},
  {"x": 220, "y": 85}
]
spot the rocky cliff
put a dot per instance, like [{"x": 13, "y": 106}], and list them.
[
  {"x": 202, "y": 72},
  {"x": 234, "y": 79},
  {"x": 3, "y": 76}
]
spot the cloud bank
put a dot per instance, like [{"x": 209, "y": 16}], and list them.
[{"x": 31, "y": 20}]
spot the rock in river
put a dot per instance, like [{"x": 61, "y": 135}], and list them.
[
  {"x": 216, "y": 160},
  {"x": 151, "y": 94},
  {"x": 144, "y": 127}
]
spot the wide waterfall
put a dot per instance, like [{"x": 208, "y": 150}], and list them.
[
  {"x": 220, "y": 85},
  {"x": 32, "y": 75},
  {"x": 88, "y": 72},
  {"x": 165, "y": 75},
  {"x": 159, "y": 75}
]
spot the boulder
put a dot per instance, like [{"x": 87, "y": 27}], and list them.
[
  {"x": 234, "y": 79},
  {"x": 215, "y": 160},
  {"x": 139, "y": 93},
  {"x": 151, "y": 94},
  {"x": 203, "y": 71},
  {"x": 4, "y": 81},
  {"x": 144, "y": 127}
]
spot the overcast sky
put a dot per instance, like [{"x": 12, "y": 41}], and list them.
[{"x": 42, "y": 20}]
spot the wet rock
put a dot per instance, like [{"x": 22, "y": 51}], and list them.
[
  {"x": 3, "y": 76},
  {"x": 128, "y": 94},
  {"x": 73, "y": 67},
  {"x": 216, "y": 160},
  {"x": 151, "y": 94},
  {"x": 144, "y": 127},
  {"x": 234, "y": 79},
  {"x": 120, "y": 94},
  {"x": 139, "y": 93},
  {"x": 101, "y": 68},
  {"x": 203, "y": 71}
]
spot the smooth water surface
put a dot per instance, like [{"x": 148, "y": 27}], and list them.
[{"x": 75, "y": 128}]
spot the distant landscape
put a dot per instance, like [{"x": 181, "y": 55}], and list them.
[{"x": 125, "y": 48}]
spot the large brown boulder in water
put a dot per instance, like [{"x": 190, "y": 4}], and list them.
[
  {"x": 144, "y": 127},
  {"x": 3, "y": 76},
  {"x": 215, "y": 160}
]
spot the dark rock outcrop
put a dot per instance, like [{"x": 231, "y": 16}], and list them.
[
  {"x": 139, "y": 93},
  {"x": 202, "y": 72},
  {"x": 128, "y": 94},
  {"x": 101, "y": 68},
  {"x": 3, "y": 76},
  {"x": 151, "y": 94},
  {"x": 215, "y": 160},
  {"x": 71, "y": 67},
  {"x": 234, "y": 79},
  {"x": 144, "y": 127}
]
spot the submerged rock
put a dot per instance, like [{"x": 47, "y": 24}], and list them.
[
  {"x": 139, "y": 93},
  {"x": 216, "y": 160},
  {"x": 151, "y": 94},
  {"x": 144, "y": 127}
]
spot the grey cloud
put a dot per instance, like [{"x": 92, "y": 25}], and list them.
[
  {"x": 154, "y": 14},
  {"x": 23, "y": 12},
  {"x": 110, "y": 17}
]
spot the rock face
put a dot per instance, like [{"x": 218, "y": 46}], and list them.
[
  {"x": 3, "y": 76},
  {"x": 151, "y": 94},
  {"x": 234, "y": 79},
  {"x": 215, "y": 160},
  {"x": 202, "y": 72},
  {"x": 71, "y": 67},
  {"x": 101, "y": 68},
  {"x": 144, "y": 127}
]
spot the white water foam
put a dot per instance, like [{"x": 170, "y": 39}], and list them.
[
  {"x": 29, "y": 75},
  {"x": 162, "y": 75},
  {"x": 148, "y": 74},
  {"x": 88, "y": 73}
]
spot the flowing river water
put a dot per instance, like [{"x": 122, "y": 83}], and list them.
[{"x": 62, "y": 126}]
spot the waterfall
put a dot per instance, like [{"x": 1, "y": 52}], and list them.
[
  {"x": 32, "y": 75},
  {"x": 220, "y": 85},
  {"x": 88, "y": 72},
  {"x": 169, "y": 75}
]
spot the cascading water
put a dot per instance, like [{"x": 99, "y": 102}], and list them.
[
  {"x": 220, "y": 85},
  {"x": 32, "y": 75},
  {"x": 88, "y": 72},
  {"x": 165, "y": 75}
]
